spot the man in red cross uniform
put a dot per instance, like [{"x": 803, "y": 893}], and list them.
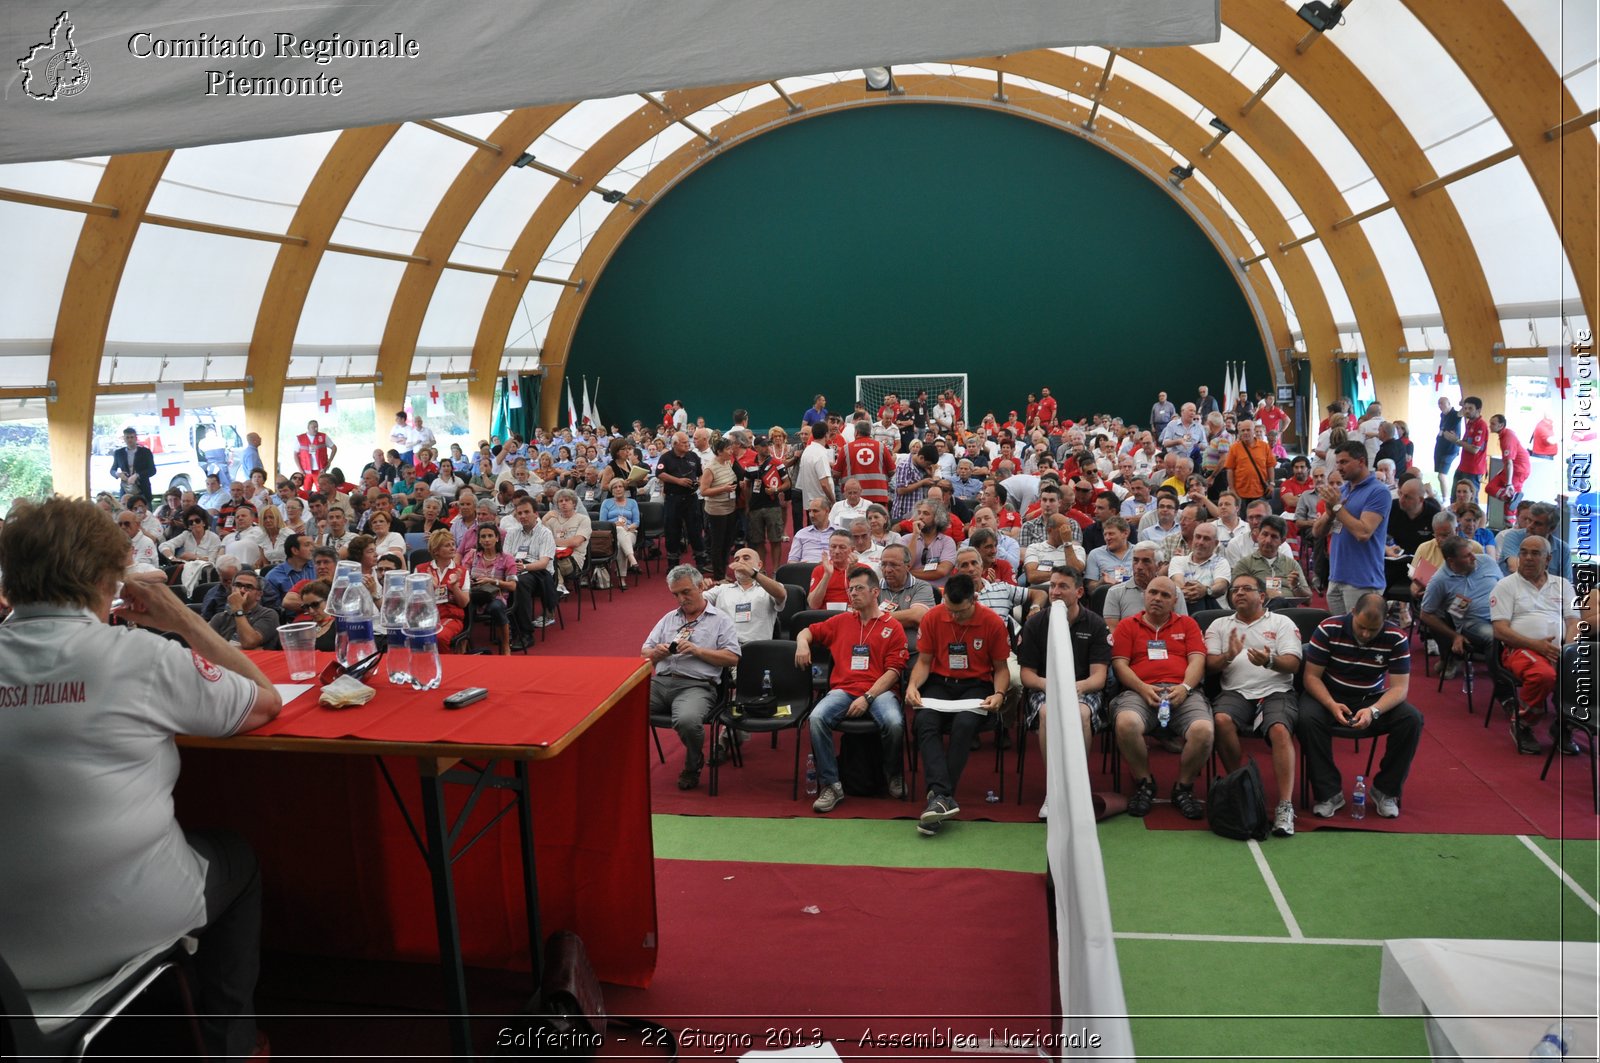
[
  {"x": 866, "y": 460},
  {"x": 314, "y": 451}
]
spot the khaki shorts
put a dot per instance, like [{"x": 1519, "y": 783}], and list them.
[
  {"x": 1282, "y": 707},
  {"x": 1193, "y": 709},
  {"x": 765, "y": 525}
]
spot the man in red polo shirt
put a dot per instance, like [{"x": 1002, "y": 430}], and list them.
[
  {"x": 1474, "y": 442},
  {"x": 1160, "y": 658},
  {"x": 830, "y": 580},
  {"x": 962, "y": 654},
  {"x": 1047, "y": 409},
  {"x": 868, "y": 647}
]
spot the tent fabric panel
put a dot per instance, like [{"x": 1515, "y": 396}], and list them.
[
  {"x": 186, "y": 287},
  {"x": 348, "y": 302},
  {"x": 31, "y": 280}
]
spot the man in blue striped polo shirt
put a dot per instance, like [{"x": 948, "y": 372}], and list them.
[{"x": 1357, "y": 672}]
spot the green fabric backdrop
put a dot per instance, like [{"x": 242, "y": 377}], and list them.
[
  {"x": 1349, "y": 373},
  {"x": 912, "y": 238},
  {"x": 521, "y": 421}
]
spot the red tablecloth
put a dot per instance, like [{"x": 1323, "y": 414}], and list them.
[{"x": 342, "y": 875}]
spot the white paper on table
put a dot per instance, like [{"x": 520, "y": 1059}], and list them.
[
  {"x": 824, "y": 1051},
  {"x": 289, "y": 691},
  {"x": 955, "y": 705}
]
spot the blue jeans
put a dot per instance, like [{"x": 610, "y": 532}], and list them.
[{"x": 885, "y": 712}]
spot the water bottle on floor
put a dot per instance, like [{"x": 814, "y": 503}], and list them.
[
  {"x": 811, "y": 773},
  {"x": 1555, "y": 1044},
  {"x": 422, "y": 632},
  {"x": 1358, "y": 799},
  {"x": 397, "y": 656}
]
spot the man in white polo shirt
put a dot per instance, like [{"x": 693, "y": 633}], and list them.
[
  {"x": 750, "y": 596},
  {"x": 1534, "y": 614}
]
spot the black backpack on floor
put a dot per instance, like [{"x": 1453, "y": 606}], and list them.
[{"x": 1236, "y": 805}]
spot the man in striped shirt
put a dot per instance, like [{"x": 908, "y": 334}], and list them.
[{"x": 1357, "y": 672}]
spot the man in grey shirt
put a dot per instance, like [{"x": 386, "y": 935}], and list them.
[
  {"x": 246, "y": 621},
  {"x": 905, "y": 596},
  {"x": 1127, "y": 599},
  {"x": 689, "y": 647}
]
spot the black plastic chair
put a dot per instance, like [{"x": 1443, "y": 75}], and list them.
[
  {"x": 1578, "y": 670},
  {"x": 1447, "y": 655},
  {"x": 821, "y": 663},
  {"x": 796, "y": 572},
  {"x": 1505, "y": 683},
  {"x": 791, "y": 688},
  {"x": 417, "y": 557},
  {"x": 22, "y": 1037},
  {"x": 794, "y": 602},
  {"x": 652, "y": 531},
  {"x": 600, "y": 560},
  {"x": 663, "y": 719}
]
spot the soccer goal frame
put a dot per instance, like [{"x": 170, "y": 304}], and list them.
[{"x": 871, "y": 388}]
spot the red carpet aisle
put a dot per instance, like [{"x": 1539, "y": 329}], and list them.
[{"x": 841, "y": 949}]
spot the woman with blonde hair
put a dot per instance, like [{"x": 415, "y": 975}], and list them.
[
  {"x": 449, "y": 585},
  {"x": 273, "y": 534}
]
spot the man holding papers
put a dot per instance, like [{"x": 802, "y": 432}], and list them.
[
  {"x": 868, "y": 647},
  {"x": 962, "y": 659}
]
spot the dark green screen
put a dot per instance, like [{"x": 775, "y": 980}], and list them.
[{"x": 905, "y": 239}]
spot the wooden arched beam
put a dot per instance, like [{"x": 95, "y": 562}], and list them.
[
  {"x": 1297, "y": 168},
  {"x": 603, "y": 155},
  {"x": 1526, "y": 94},
  {"x": 1256, "y": 208},
  {"x": 284, "y": 298},
  {"x": 87, "y": 299},
  {"x": 1395, "y": 158},
  {"x": 476, "y": 179}
]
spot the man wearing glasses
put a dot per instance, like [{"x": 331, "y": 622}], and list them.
[{"x": 246, "y": 621}]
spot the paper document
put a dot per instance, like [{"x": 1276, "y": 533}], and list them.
[
  {"x": 955, "y": 705},
  {"x": 289, "y": 691}
]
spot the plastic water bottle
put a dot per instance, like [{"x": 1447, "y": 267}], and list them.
[
  {"x": 1555, "y": 1044},
  {"x": 992, "y": 797},
  {"x": 766, "y": 683},
  {"x": 422, "y": 632},
  {"x": 354, "y": 606},
  {"x": 397, "y": 657},
  {"x": 1358, "y": 799},
  {"x": 1164, "y": 713},
  {"x": 811, "y": 773},
  {"x": 341, "y": 624}
]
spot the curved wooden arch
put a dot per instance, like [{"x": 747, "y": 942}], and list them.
[
  {"x": 1161, "y": 118},
  {"x": 1526, "y": 94},
  {"x": 450, "y": 218},
  {"x": 1395, "y": 158},
  {"x": 604, "y": 154},
  {"x": 87, "y": 299},
  {"x": 284, "y": 298},
  {"x": 1296, "y": 166}
]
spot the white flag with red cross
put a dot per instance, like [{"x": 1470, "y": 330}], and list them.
[
  {"x": 513, "y": 391},
  {"x": 435, "y": 395},
  {"x": 1439, "y": 360},
  {"x": 327, "y": 398},
  {"x": 169, "y": 415},
  {"x": 1365, "y": 392},
  {"x": 1560, "y": 364}
]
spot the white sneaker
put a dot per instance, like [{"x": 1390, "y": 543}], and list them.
[
  {"x": 829, "y": 798},
  {"x": 1326, "y": 809},
  {"x": 1386, "y": 806},
  {"x": 1044, "y": 810},
  {"x": 1283, "y": 820}
]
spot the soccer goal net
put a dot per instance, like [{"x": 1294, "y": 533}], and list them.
[{"x": 871, "y": 390}]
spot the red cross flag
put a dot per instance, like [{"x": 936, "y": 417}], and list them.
[
  {"x": 327, "y": 398},
  {"x": 169, "y": 415},
  {"x": 1365, "y": 391},
  {"x": 513, "y": 390},
  {"x": 1439, "y": 359},
  {"x": 1560, "y": 361},
  {"x": 435, "y": 396}
]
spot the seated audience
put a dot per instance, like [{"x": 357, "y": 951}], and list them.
[{"x": 689, "y": 647}]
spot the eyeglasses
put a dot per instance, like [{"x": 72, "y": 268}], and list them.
[
  {"x": 311, "y": 603},
  {"x": 246, "y": 586},
  {"x": 196, "y": 522}
]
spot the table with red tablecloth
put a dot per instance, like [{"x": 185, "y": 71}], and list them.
[{"x": 338, "y": 802}]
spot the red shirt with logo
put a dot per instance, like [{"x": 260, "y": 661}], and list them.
[
  {"x": 1157, "y": 655},
  {"x": 981, "y": 641},
  {"x": 838, "y": 584},
  {"x": 1475, "y": 432},
  {"x": 883, "y": 638}
]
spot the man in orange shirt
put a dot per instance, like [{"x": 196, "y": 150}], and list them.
[
  {"x": 1249, "y": 464},
  {"x": 962, "y": 653}
]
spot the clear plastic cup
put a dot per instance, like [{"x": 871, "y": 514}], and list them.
[{"x": 299, "y": 643}]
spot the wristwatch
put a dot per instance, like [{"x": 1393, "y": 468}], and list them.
[
  {"x": 238, "y": 612},
  {"x": 1334, "y": 507},
  {"x": 1376, "y": 712}
]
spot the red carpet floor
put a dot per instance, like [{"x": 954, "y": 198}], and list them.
[{"x": 838, "y": 951}]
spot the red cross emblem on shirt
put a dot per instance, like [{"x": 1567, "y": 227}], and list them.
[
  {"x": 326, "y": 402},
  {"x": 171, "y": 411}
]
